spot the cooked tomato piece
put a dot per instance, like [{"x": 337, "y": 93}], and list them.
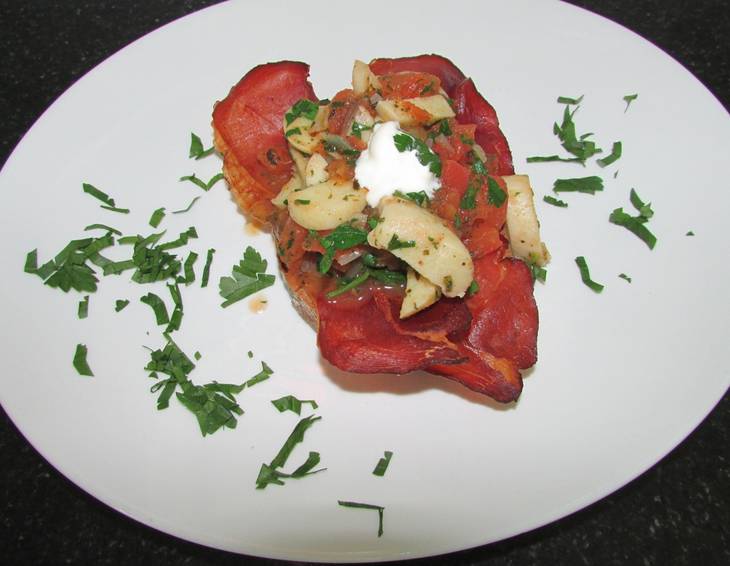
[{"x": 408, "y": 85}]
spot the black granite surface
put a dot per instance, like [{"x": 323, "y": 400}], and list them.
[{"x": 678, "y": 512}]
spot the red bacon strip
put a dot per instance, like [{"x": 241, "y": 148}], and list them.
[
  {"x": 366, "y": 340},
  {"x": 448, "y": 73},
  {"x": 248, "y": 124}
]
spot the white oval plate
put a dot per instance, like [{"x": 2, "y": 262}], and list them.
[{"x": 622, "y": 378}]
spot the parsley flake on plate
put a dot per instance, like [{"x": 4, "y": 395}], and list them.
[{"x": 248, "y": 277}]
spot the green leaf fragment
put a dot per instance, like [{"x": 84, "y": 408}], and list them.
[
  {"x": 83, "y": 309},
  {"x": 635, "y": 224},
  {"x": 188, "y": 207},
  {"x": 79, "y": 360},
  {"x": 625, "y": 277},
  {"x": 343, "y": 237},
  {"x": 269, "y": 473},
  {"x": 554, "y": 201},
  {"x": 248, "y": 277},
  {"x": 550, "y": 158},
  {"x": 157, "y": 217},
  {"x": 586, "y": 276},
  {"x": 495, "y": 195},
  {"x": 103, "y": 227},
  {"x": 263, "y": 375},
  {"x": 120, "y": 304},
  {"x": 206, "y": 268},
  {"x": 158, "y": 307},
  {"x": 357, "y": 505},
  {"x": 569, "y": 100},
  {"x": 396, "y": 243},
  {"x": 613, "y": 157},
  {"x": 589, "y": 185},
  {"x": 291, "y": 403},
  {"x": 200, "y": 183},
  {"x": 425, "y": 155},
  {"x": 196, "y": 148},
  {"x": 303, "y": 107},
  {"x": 383, "y": 464},
  {"x": 628, "y": 99}
]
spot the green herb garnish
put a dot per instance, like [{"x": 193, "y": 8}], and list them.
[
  {"x": 108, "y": 201},
  {"x": 206, "y": 268},
  {"x": 83, "y": 310},
  {"x": 548, "y": 158},
  {"x": 554, "y": 201},
  {"x": 628, "y": 99},
  {"x": 585, "y": 275},
  {"x": 301, "y": 201},
  {"x": 343, "y": 237},
  {"x": 538, "y": 273},
  {"x": 200, "y": 183},
  {"x": 589, "y": 185},
  {"x": 248, "y": 277},
  {"x": 196, "y": 148},
  {"x": 120, "y": 304},
  {"x": 158, "y": 307},
  {"x": 396, "y": 243},
  {"x": 188, "y": 207},
  {"x": 634, "y": 224},
  {"x": 358, "y": 129},
  {"x": 469, "y": 199},
  {"x": 348, "y": 286},
  {"x": 265, "y": 373},
  {"x": 303, "y": 107},
  {"x": 473, "y": 288},
  {"x": 293, "y": 132},
  {"x": 79, "y": 361},
  {"x": 625, "y": 277},
  {"x": 424, "y": 154},
  {"x": 291, "y": 403},
  {"x": 614, "y": 156},
  {"x": 269, "y": 473},
  {"x": 690, "y": 233},
  {"x": 382, "y": 464},
  {"x": 420, "y": 197},
  {"x": 102, "y": 227},
  {"x": 356, "y": 505},
  {"x": 644, "y": 210},
  {"x": 581, "y": 147},
  {"x": 188, "y": 270},
  {"x": 157, "y": 217},
  {"x": 569, "y": 100}
]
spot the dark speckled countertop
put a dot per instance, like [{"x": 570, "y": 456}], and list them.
[{"x": 678, "y": 512}]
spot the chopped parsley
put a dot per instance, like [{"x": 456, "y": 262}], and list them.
[
  {"x": 301, "y": 201},
  {"x": 102, "y": 227},
  {"x": 469, "y": 200},
  {"x": 248, "y": 277},
  {"x": 188, "y": 271},
  {"x": 625, "y": 277},
  {"x": 303, "y": 107},
  {"x": 585, "y": 275},
  {"x": 293, "y": 132},
  {"x": 291, "y": 403},
  {"x": 196, "y": 148},
  {"x": 636, "y": 224},
  {"x": 157, "y": 217},
  {"x": 349, "y": 285},
  {"x": 98, "y": 194},
  {"x": 538, "y": 273},
  {"x": 396, "y": 243},
  {"x": 589, "y": 185},
  {"x": 614, "y": 156},
  {"x": 158, "y": 307},
  {"x": 581, "y": 147},
  {"x": 120, "y": 304},
  {"x": 188, "y": 207},
  {"x": 548, "y": 158},
  {"x": 358, "y": 129},
  {"x": 690, "y": 233},
  {"x": 206, "y": 268},
  {"x": 270, "y": 474},
  {"x": 265, "y": 373},
  {"x": 420, "y": 197},
  {"x": 382, "y": 464},
  {"x": 356, "y": 505},
  {"x": 79, "y": 361},
  {"x": 554, "y": 201},
  {"x": 83, "y": 309},
  {"x": 569, "y": 100},
  {"x": 473, "y": 288},
  {"x": 495, "y": 195},
  {"x": 200, "y": 183},
  {"x": 628, "y": 99},
  {"x": 425, "y": 155},
  {"x": 343, "y": 237}
]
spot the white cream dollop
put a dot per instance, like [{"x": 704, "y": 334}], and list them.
[{"x": 382, "y": 169}]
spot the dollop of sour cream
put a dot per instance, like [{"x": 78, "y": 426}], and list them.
[{"x": 382, "y": 169}]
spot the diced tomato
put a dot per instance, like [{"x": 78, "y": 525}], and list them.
[
  {"x": 448, "y": 73},
  {"x": 408, "y": 85}
]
